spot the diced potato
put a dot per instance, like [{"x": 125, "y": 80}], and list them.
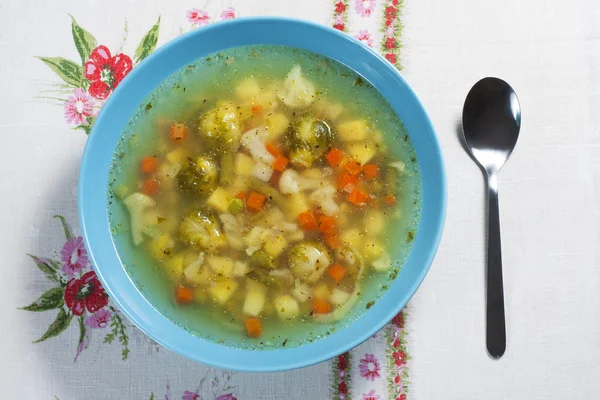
[
  {"x": 362, "y": 152},
  {"x": 276, "y": 246},
  {"x": 339, "y": 297},
  {"x": 353, "y": 131},
  {"x": 328, "y": 110},
  {"x": 352, "y": 237},
  {"x": 222, "y": 290},
  {"x": 247, "y": 89},
  {"x": 287, "y": 307},
  {"x": 256, "y": 296},
  {"x": 372, "y": 250},
  {"x": 174, "y": 267},
  {"x": 177, "y": 156},
  {"x": 374, "y": 222},
  {"x": 198, "y": 275},
  {"x": 267, "y": 100},
  {"x": 221, "y": 265},
  {"x": 297, "y": 205},
  {"x": 219, "y": 200},
  {"x": 243, "y": 164},
  {"x": 200, "y": 295},
  {"x": 161, "y": 247},
  {"x": 301, "y": 292},
  {"x": 240, "y": 269},
  {"x": 321, "y": 291},
  {"x": 277, "y": 124}
]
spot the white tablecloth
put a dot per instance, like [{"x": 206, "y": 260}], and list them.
[{"x": 549, "y": 51}]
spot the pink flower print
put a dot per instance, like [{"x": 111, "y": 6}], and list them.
[
  {"x": 369, "y": 367},
  {"x": 227, "y": 396},
  {"x": 371, "y": 396},
  {"x": 99, "y": 320},
  {"x": 364, "y": 7},
  {"x": 74, "y": 257},
  {"x": 228, "y": 13},
  {"x": 198, "y": 17},
  {"x": 187, "y": 395},
  {"x": 338, "y": 20},
  {"x": 365, "y": 37},
  {"x": 78, "y": 107}
]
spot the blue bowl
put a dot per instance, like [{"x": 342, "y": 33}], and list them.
[{"x": 143, "y": 79}]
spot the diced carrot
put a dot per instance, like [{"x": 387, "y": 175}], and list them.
[
  {"x": 307, "y": 221},
  {"x": 253, "y": 327},
  {"x": 326, "y": 223},
  {"x": 346, "y": 179},
  {"x": 272, "y": 149},
  {"x": 371, "y": 171},
  {"x": 178, "y": 132},
  {"x": 334, "y": 157},
  {"x": 332, "y": 239},
  {"x": 256, "y": 109},
  {"x": 280, "y": 163},
  {"x": 389, "y": 199},
  {"x": 184, "y": 295},
  {"x": 255, "y": 201},
  {"x": 242, "y": 196},
  {"x": 337, "y": 272},
  {"x": 148, "y": 165},
  {"x": 358, "y": 198},
  {"x": 150, "y": 187},
  {"x": 321, "y": 306},
  {"x": 353, "y": 167}
]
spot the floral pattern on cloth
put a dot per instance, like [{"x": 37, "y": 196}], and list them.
[
  {"x": 77, "y": 294},
  {"x": 375, "y": 372},
  {"x": 88, "y": 83}
]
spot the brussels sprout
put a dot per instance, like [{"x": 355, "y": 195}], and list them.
[
  {"x": 198, "y": 175},
  {"x": 201, "y": 230},
  {"x": 221, "y": 127},
  {"x": 309, "y": 260},
  {"x": 261, "y": 259},
  {"x": 308, "y": 139}
]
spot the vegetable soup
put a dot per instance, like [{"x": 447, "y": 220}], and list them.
[{"x": 264, "y": 196}]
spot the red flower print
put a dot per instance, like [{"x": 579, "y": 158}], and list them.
[
  {"x": 391, "y": 12},
  {"x": 86, "y": 292},
  {"x": 343, "y": 361},
  {"x": 391, "y": 57},
  {"x": 339, "y": 27},
  {"x": 401, "y": 397},
  {"x": 390, "y": 43},
  {"x": 399, "y": 357},
  {"x": 399, "y": 320},
  {"x": 340, "y": 7},
  {"x": 105, "y": 72},
  {"x": 397, "y": 380},
  {"x": 395, "y": 2},
  {"x": 343, "y": 388}
]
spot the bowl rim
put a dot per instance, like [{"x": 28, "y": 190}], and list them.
[{"x": 95, "y": 227}]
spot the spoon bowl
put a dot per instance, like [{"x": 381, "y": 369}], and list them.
[{"x": 491, "y": 124}]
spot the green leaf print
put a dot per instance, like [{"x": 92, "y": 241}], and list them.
[
  {"x": 152, "y": 396},
  {"x": 44, "y": 266},
  {"x": 148, "y": 43},
  {"x": 50, "y": 300},
  {"x": 63, "y": 221},
  {"x": 67, "y": 70},
  {"x": 81, "y": 331},
  {"x": 84, "y": 41},
  {"x": 61, "y": 323}
]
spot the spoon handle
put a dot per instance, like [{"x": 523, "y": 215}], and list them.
[{"x": 496, "y": 328}]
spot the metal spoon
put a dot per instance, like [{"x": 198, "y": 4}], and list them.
[{"x": 491, "y": 123}]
